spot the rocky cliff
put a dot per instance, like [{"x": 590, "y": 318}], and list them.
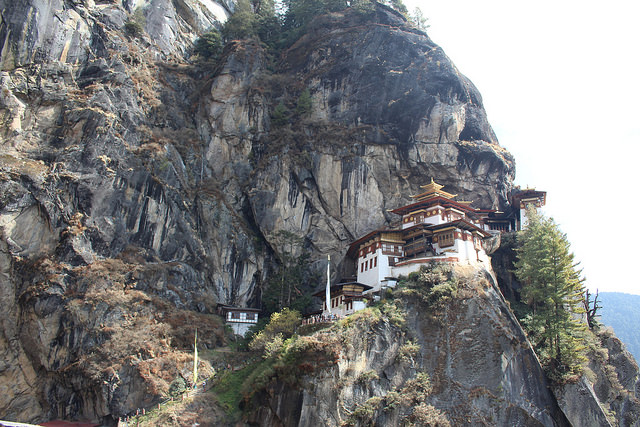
[
  {"x": 464, "y": 363},
  {"x": 138, "y": 187}
]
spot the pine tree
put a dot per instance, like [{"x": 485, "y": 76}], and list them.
[
  {"x": 553, "y": 288},
  {"x": 242, "y": 24},
  {"x": 304, "y": 104}
]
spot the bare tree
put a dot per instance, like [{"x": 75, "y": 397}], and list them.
[{"x": 591, "y": 307}]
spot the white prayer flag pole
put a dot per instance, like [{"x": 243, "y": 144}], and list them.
[
  {"x": 195, "y": 358},
  {"x": 328, "y": 290}
]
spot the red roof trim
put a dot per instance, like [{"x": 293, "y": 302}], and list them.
[
  {"x": 404, "y": 209},
  {"x": 353, "y": 246}
]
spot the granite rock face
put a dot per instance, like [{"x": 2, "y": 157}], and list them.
[
  {"x": 139, "y": 187},
  {"x": 479, "y": 365}
]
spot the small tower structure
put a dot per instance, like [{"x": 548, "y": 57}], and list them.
[{"x": 521, "y": 200}]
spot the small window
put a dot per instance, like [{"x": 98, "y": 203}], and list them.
[
  {"x": 235, "y": 315},
  {"x": 375, "y": 262},
  {"x": 446, "y": 239}
]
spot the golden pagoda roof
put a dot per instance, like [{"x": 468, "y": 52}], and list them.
[{"x": 431, "y": 190}]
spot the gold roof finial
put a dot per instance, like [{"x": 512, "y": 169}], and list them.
[{"x": 433, "y": 189}]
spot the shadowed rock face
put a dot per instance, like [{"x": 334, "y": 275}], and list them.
[
  {"x": 480, "y": 366},
  {"x": 134, "y": 184}
]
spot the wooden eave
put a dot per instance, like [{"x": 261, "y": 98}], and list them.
[
  {"x": 230, "y": 308},
  {"x": 337, "y": 290},
  {"x": 354, "y": 247},
  {"x": 445, "y": 203}
]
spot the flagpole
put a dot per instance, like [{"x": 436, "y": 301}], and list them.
[
  {"x": 195, "y": 359},
  {"x": 328, "y": 289}
]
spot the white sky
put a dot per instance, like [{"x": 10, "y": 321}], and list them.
[{"x": 560, "y": 84}]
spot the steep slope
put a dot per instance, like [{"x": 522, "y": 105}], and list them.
[
  {"x": 137, "y": 189},
  {"x": 455, "y": 357},
  {"x": 620, "y": 311},
  {"x": 444, "y": 349}
]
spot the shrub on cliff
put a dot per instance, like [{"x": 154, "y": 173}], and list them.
[
  {"x": 280, "y": 115},
  {"x": 434, "y": 285},
  {"x": 281, "y": 326},
  {"x": 209, "y": 45},
  {"x": 134, "y": 27},
  {"x": 177, "y": 387},
  {"x": 242, "y": 24}
]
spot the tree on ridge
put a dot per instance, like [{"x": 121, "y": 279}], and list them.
[{"x": 553, "y": 289}]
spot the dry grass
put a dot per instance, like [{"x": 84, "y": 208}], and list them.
[
  {"x": 200, "y": 409},
  {"x": 124, "y": 334},
  {"x": 16, "y": 167}
]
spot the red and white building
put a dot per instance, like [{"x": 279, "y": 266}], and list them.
[
  {"x": 345, "y": 298},
  {"x": 435, "y": 227}
]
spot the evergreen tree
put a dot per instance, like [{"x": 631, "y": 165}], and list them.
[
  {"x": 553, "y": 288},
  {"x": 280, "y": 115},
  {"x": 242, "y": 24},
  {"x": 304, "y": 104},
  {"x": 293, "y": 282},
  {"x": 418, "y": 19},
  {"x": 209, "y": 45}
]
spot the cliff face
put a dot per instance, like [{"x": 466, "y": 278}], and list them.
[
  {"x": 389, "y": 111},
  {"x": 471, "y": 358},
  {"x": 138, "y": 188},
  {"x": 464, "y": 361}
]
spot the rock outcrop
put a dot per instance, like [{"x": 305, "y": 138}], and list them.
[
  {"x": 472, "y": 358},
  {"x": 139, "y": 187},
  {"x": 466, "y": 361}
]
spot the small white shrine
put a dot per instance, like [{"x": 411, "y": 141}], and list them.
[{"x": 240, "y": 319}]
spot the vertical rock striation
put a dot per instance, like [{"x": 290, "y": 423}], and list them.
[{"x": 139, "y": 187}]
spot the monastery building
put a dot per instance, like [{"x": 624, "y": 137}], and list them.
[{"x": 435, "y": 227}]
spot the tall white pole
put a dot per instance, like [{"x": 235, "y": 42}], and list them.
[
  {"x": 195, "y": 359},
  {"x": 328, "y": 290}
]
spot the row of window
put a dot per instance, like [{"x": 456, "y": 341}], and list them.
[
  {"x": 420, "y": 218},
  {"x": 335, "y": 302},
  {"x": 366, "y": 265},
  {"x": 445, "y": 239},
  {"x": 386, "y": 247},
  {"x": 234, "y": 315}
]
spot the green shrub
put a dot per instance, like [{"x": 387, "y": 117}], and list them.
[
  {"x": 134, "y": 27},
  {"x": 392, "y": 400},
  {"x": 303, "y": 107},
  {"x": 397, "y": 315},
  {"x": 365, "y": 413},
  {"x": 281, "y": 326},
  {"x": 177, "y": 387},
  {"x": 434, "y": 285},
  {"x": 427, "y": 415},
  {"x": 416, "y": 389},
  {"x": 231, "y": 388},
  {"x": 366, "y": 377},
  {"x": 242, "y": 24},
  {"x": 280, "y": 115},
  {"x": 209, "y": 45},
  {"x": 408, "y": 351}
]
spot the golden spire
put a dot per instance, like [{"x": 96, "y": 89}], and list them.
[{"x": 433, "y": 189}]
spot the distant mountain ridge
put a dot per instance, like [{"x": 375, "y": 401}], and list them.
[{"x": 622, "y": 312}]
